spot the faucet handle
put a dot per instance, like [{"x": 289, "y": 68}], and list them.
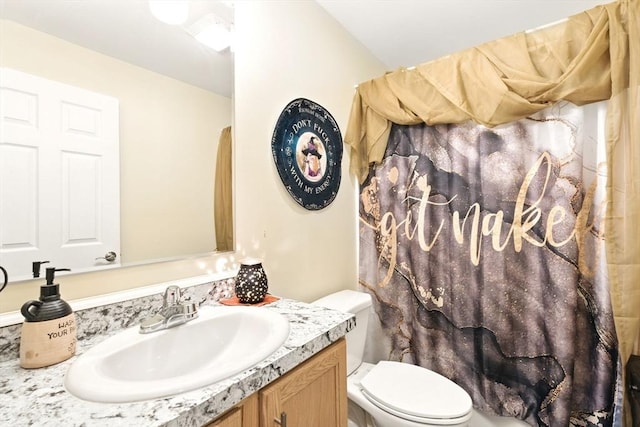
[
  {"x": 190, "y": 310},
  {"x": 172, "y": 296}
]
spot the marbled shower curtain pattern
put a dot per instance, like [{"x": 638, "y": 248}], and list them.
[{"x": 484, "y": 252}]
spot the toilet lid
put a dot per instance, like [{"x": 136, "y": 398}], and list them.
[{"x": 409, "y": 390}]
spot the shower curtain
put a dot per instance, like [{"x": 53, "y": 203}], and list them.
[
  {"x": 485, "y": 240},
  {"x": 484, "y": 251}
]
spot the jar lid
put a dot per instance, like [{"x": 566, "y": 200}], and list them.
[{"x": 250, "y": 261}]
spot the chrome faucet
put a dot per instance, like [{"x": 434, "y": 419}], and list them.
[{"x": 174, "y": 312}]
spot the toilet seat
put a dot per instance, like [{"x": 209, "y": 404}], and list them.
[{"x": 399, "y": 388}]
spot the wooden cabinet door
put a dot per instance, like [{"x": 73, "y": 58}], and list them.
[
  {"x": 312, "y": 395},
  {"x": 245, "y": 414}
]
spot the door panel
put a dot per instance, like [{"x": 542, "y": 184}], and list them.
[{"x": 59, "y": 176}]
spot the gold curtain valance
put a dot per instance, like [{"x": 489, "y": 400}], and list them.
[{"x": 497, "y": 82}]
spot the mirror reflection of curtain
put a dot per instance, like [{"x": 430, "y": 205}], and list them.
[
  {"x": 223, "y": 198},
  {"x": 590, "y": 57}
]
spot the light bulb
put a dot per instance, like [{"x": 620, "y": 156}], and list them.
[
  {"x": 211, "y": 32},
  {"x": 173, "y": 12}
]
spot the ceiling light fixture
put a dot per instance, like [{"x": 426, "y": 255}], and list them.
[
  {"x": 212, "y": 32},
  {"x": 173, "y": 12}
]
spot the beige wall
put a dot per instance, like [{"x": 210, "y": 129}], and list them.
[
  {"x": 289, "y": 50},
  {"x": 285, "y": 50}
]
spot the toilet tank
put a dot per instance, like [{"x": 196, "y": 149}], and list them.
[{"x": 357, "y": 303}]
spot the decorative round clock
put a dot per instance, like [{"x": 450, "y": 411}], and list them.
[{"x": 307, "y": 150}]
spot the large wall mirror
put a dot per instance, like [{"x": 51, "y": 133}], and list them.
[{"x": 174, "y": 97}]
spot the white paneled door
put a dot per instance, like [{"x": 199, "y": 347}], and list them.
[{"x": 59, "y": 175}]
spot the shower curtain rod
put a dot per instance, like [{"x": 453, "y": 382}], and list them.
[
  {"x": 408, "y": 69},
  {"x": 545, "y": 26},
  {"x": 529, "y": 31}
]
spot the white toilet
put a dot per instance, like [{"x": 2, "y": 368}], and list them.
[{"x": 395, "y": 394}]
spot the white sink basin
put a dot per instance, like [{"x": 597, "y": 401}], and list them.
[{"x": 220, "y": 343}]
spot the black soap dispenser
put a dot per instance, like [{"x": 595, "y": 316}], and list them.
[{"x": 49, "y": 330}]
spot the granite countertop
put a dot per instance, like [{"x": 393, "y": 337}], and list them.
[{"x": 38, "y": 397}]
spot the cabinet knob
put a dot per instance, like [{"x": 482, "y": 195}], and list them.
[{"x": 283, "y": 419}]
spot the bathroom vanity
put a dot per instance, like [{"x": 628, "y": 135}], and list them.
[
  {"x": 307, "y": 373},
  {"x": 312, "y": 394}
]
